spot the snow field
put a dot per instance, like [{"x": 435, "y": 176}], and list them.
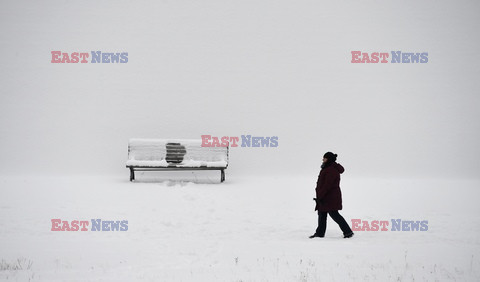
[{"x": 246, "y": 229}]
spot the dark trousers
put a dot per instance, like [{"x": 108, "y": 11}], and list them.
[{"x": 322, "y": 223}]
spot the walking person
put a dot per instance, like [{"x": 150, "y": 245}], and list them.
[{"x": 329, "y": 196}]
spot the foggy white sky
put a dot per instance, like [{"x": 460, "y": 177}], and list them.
[{"x": 227, "y": 68}]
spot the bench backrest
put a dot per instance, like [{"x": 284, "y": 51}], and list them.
[{"x": 187, "y": 152}]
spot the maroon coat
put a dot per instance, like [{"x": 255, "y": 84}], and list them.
[{"x": 328, "y": 191}]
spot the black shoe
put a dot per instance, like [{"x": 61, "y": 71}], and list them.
[
  {"x": 349, "y": 235},
  {"x": 315, "y": 235}
]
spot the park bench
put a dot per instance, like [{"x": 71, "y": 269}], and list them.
[{"x": 174, "y": 154}]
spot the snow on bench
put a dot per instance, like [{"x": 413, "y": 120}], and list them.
[{"x": 175, "y": 154}]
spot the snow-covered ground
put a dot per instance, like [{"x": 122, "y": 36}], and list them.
[{"x": 246, "y": 229}]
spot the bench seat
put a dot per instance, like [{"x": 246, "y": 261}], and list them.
[{"x": 174, "y": 154}]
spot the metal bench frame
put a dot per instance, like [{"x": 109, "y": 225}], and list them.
[{"x": 149, "y": 168}]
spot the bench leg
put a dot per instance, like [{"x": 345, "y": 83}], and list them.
[
  {"x": 132, "y": 174},
  {"x": 222, "y": 175}
]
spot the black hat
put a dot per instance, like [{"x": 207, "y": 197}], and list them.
[{"x": 331, "y": 157}]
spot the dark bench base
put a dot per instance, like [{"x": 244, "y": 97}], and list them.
[{"x": 143, "y": 168}]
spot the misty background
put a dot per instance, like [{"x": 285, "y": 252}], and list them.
[{"x": 228, "y": 68}]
